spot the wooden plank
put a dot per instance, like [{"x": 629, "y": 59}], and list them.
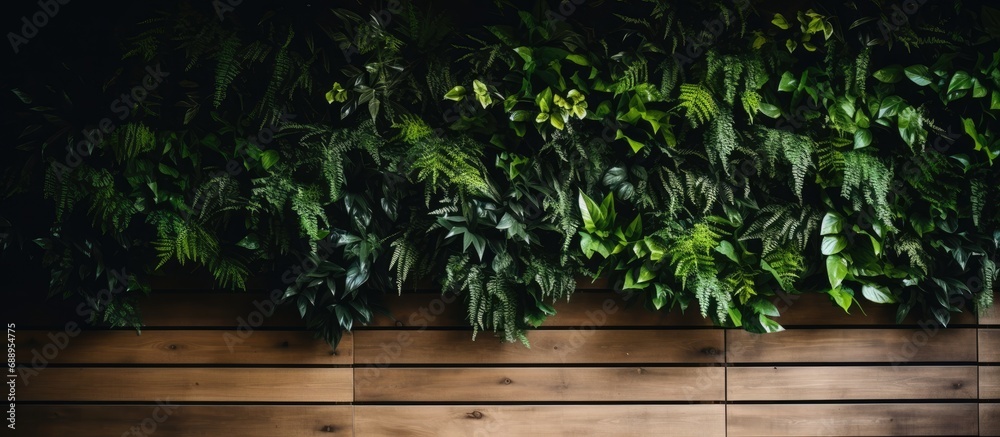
[
  {"x": 540, "y": 384},
  {"x": 585, "y": 309},
  {"x": 992, "y": 314},
  {"x": 185, "y": 420},
  {"x": 387, "y": 347},
  {"x": 989, "y": 345},
  {"x": 541, "y": 420},
  {"x": 851, "y": 383},
  {"x": 189, "y": 385},
  {"x": 205, "y": 309},
  {"x": 181, "y": 347},
  {"x": 852, "y": 345},
  {"x": 989, "y": 419},
  {"x": 989, "y": 382},
  {"x": 852, "y": 420},
  {"x": 812, "y": 309},
  {"x": 164, "y": 309}
]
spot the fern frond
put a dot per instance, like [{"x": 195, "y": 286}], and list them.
[
  {"x": 699, "y": 103},
  {"x": 777, "y": 226},
  {"x": 866, "y": 182},
  {"x": 227, "y": 67}
]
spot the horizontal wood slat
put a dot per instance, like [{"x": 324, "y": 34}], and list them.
[
  {"x": 189, "y": 385},
  {"x": 383, "y": 348},
  {"x": 185, "y": 420},
  {"x": 539, "y": 384},
  {"x": 853, "y": 420},
  {"x": 813, "y": 309},
  {"x": 852, "y": 345},
  {"x": 989, "y": 419},
  {"x": 989, "y": 345},
  {"x": 851, "y": 383},
  {"x": 989, "y": 382},
  {"x": 251, "y": 308},
  {"x": 181, "y": 347},
  {"x": 541, "y": 420},
  {"x": 584, "y": 309}
]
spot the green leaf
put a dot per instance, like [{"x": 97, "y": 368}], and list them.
[
  {"x": 836, "y": 270},
  {"x": 269, "y": 158},
  {"x": 833, "y": 244},
  {"x": 911, "y": 128},
  {"x": 780, "y": 21},
  {"x": 843, "y": 297},
  {"x": 660, "y": 296},
  {"x": 168, "y": 170},
  {"x": 591, "y": 213},
  {"x": 891, "y": 74},
  {"x": 919, "y": 74},
  {"x": 769, "y": 325},
  {"x": 862, "y": 138},
  {"x": 788, "y": 83},
  {"x": 726, "y": 248},
  {"x": 960, "y": 81},
  {"x": 877, "y": 294},
  {"x": 769, "y": 110},
  {"x": 833, "y": 223},
  {"x": 891, "y": 106},
  {"x": 455, "y": 94},
  {"x": 344, "y": 317},
  {"x": 577, "y": 59}
]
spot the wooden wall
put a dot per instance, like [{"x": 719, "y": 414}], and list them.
[{"x": 210, "y": 364}]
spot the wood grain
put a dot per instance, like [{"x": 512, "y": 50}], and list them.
[
  {"x": 182, "y": 347},
  {"x": 853, "y": 420},
  {"x": 585, "y": 309},
  {"x": 989, "y": 382},
  {"x": 382, "y": 348},
  {"x": 814, "y": 309},
  {"x": 852, "y": 345},
  {"x": 185, "y": 420},
  {"x": 851, "y": 383},
  {"x": 989, "y": 419},
  {"x": 989, "y": 345},
  {"x": 541, "y": 420},
  {"x": 610, "y": 384},
  {"x": 189, "y": 385}
]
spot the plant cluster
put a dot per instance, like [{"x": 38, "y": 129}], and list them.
[{"x": 704, "y": 155}]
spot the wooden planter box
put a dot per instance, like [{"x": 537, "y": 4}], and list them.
[{"x": 214, "y": 363}]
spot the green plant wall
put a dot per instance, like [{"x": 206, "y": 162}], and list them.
[{"x": 704, "y": 155}]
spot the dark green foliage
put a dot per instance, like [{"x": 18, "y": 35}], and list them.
[{"x": 505, "y": 155}]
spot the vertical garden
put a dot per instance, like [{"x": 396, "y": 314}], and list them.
[{"x": 701, "y": 155}]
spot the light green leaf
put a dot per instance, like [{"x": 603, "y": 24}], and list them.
[
  {"x": 455, "y": 94},
  {"x": 577, "y": 59},
  {"x": 877, "y": 294},
  {"x": 833, "y": 244},
  {"x": 836, "y": 270},
  {"x": 726, "y": 248},
  {"x": 770, "y": 325},
  {"x": 833, "y": 223},
  {"x": 780, "y": 21},
  {"x": 843, "y": 297}
]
